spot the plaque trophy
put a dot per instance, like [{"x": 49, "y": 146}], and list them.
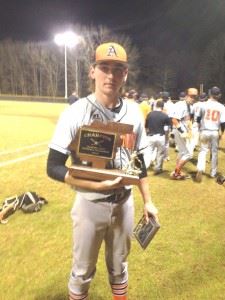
[
  {"x": 95, "y": 145},
  {"x": 144, "y": 232}
]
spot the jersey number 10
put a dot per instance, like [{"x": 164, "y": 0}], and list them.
[{"x": 212, "y": 115}]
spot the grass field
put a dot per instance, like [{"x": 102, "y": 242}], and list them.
[{"x": 186, "y": 260}]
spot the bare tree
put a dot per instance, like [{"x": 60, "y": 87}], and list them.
[
  {"x": 212, "y": 65},
  {"x": 9, "y": 64},
  {"x": 52, "y": 65},
  {"x": 38, "y": 68}
]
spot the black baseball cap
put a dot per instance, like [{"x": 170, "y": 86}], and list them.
[
  {"x": 203, "y": 97},
  {"x": 215, "y": 91},
  {"x": 182, "y": 95}
]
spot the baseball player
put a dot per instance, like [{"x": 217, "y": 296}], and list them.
[
  {"x": 168, "y": 109},
  {"x": 211, "y": 118},
  {"x": 103, "y": 210},
  {"x": 195, "y": 126},
  {"x": 152, "y": 102},
  {"x": 157, "y": 125},
  {"x": 182, "y": 96},
  {"x": 182, "y": 130},
  {"x": 144, "y": 105},
  {"x": 168, "y": 103}
]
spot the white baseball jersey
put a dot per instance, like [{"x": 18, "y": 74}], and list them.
[
  {"x": 212, "y": 115},
  {"x": 181, "y": 112},
  {"x": 196, "y": 109},
  {"x": 169, "y": 108},
  {"x": 84, "y": 112}
]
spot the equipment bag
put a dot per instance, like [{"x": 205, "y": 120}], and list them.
[{"x": 28, "y": 202}]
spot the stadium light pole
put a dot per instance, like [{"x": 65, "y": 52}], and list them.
[{"x": 68, "y": 39}]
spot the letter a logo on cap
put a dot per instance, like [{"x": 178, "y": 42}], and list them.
[{"x": 111, "y": 51}]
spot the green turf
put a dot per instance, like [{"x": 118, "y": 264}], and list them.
[{"x": 186, "y": 259}]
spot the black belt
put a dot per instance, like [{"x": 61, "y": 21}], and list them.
[
  {"x": 156, "y": 134},
  {"x": 117, "y": 197},
  {"x": 209, "y": 129}
]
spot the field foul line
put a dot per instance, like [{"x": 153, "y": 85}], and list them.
[
  {"x": 19, "y": 159},
  {"x": 22, "y": 148}
]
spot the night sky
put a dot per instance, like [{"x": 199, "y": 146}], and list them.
[
  {"x": 164, "y": 23},
  {"x": 167, "y": 26}
]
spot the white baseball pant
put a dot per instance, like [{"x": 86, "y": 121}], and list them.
[
  {"x": 93, "y": 223},
  {"x": 209, "y": 140}
]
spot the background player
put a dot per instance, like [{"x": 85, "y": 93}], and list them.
[
  {"x": 194, "y": 141},
  {"x": 144, "y": 105},
  {"x": 182, "y": 131},
  {"x": 157, "y": 125},
  {"x": 211, "y": 117},
  {"x": 103, "y": 211},
  {"x": 168, "y": 109}
]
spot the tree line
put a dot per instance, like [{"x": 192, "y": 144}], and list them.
[
  {"x": 37, "y": 68},
  {"x": 178, "y": 70}
]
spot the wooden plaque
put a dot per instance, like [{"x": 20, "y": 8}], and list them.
[{"x": 95, "y": 145}]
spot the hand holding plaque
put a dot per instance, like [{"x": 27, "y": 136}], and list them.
[
  {"x": 96, "y": 145},
  {"x": 144, "y": 232}
]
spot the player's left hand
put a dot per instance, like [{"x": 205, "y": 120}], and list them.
[
  {"x": 94, "y": 185},
  {"x": 150, "y": 210},
  {"x": 110, "y": 184}
]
